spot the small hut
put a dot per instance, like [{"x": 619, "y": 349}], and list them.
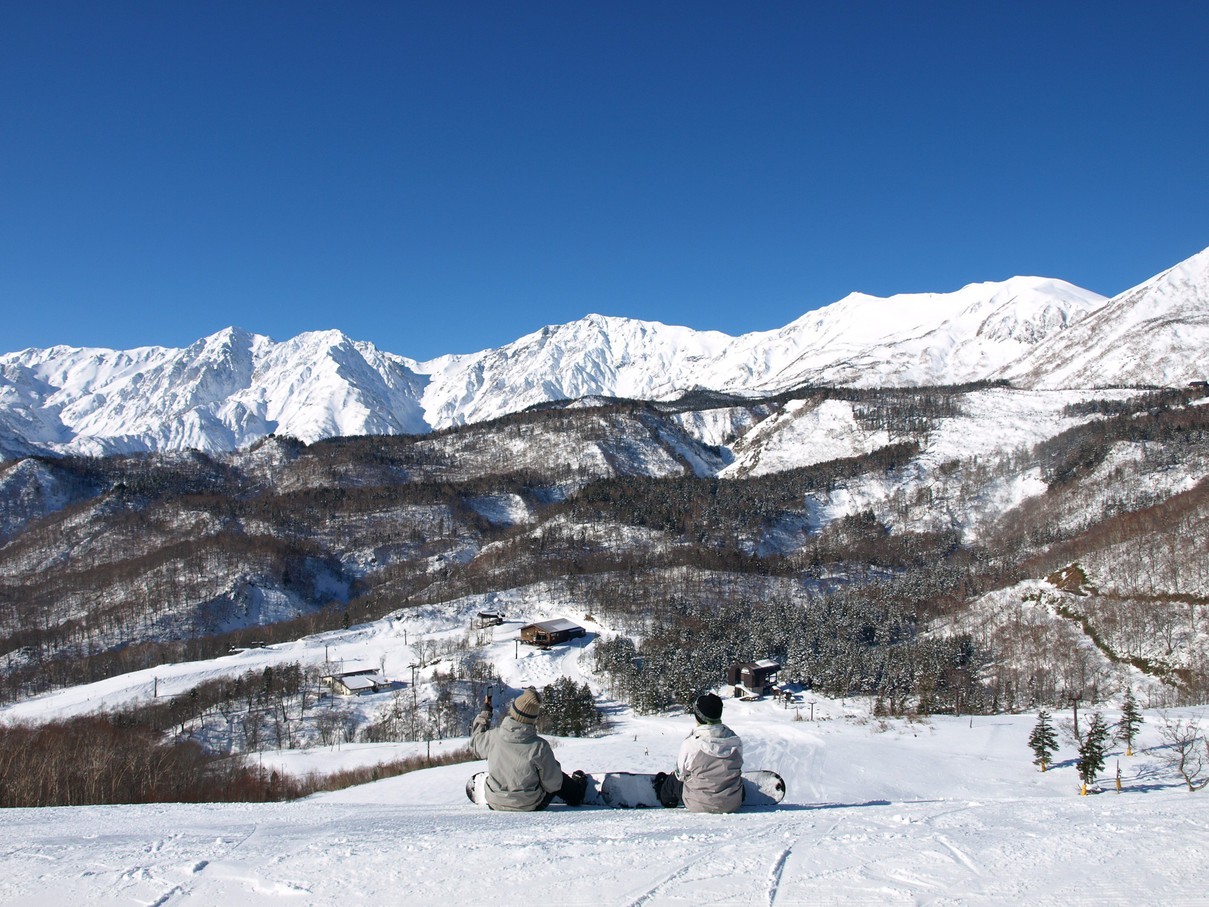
[{"x": 755, "y": 678}]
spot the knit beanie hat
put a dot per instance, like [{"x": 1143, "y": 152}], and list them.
[
  {"x": 528, "y": 704},
  {"x": 708, "y": 709}
]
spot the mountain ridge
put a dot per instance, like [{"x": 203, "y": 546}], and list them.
[
  {"x": 230, "y": 389},
  {"x": 1154, "y": 333}
]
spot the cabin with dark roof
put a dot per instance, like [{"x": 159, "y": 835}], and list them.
[
  {"x": 551, "y": 632},
  {"x": 753, "y": 678}
]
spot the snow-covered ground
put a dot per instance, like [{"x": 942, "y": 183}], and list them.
[
  {"x": 946, "y": 812},
  {"x": 940, "y": 811}
]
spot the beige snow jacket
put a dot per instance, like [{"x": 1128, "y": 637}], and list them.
[
  {"x": 521, "y": 768},
  {"x": 711, "y": 767}
]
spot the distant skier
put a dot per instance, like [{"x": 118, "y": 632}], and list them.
[
  {"x": 522, "y": 773},
  {"x": 709, "y": 770}
]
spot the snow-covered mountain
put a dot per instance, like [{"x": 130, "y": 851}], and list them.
[
  {"x": 932, "y": 338},
  {"x": 866, "y": 341},
  {"x": 1155, "y": 333},
  {"x": 230, "y": 389},
  {"x": 221, "y": 393}
]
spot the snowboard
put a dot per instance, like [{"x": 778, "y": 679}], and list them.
[{"x": 634, "y": 790}]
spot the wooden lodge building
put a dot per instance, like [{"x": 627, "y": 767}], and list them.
[
  {"x": 551, "y": 632},
  {"x": 756, "y": 678},
  {"x": 355, "y": 681}
]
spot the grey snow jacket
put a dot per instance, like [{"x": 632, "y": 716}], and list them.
[
  {"x": 521, "y": 768},
  {"x": 711, "y": 767}
]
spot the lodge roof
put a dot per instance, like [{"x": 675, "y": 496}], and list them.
[{"x": 558, "y": 625}]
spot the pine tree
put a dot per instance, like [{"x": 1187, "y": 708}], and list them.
[
  {"x": 568, "y": 709},
  {"x": 1093, "y": 749},
  {"x": 1043, "y": 741},
  {"x": 1131, "y": 720}
]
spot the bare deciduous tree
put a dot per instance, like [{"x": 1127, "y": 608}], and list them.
[{"x": 1187, "y": 750}]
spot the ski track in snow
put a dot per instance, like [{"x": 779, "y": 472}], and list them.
[{"x": 774, "y": 875}]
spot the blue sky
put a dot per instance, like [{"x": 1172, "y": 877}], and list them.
[{"x": 445, "y": 177}]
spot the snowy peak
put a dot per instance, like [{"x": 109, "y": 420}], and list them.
[
  {"x": 1154, "y": 333},
  {"x": 597, "y": 355},
  {"x": 903, "y": 314},
  {"x": 234, "y": 387},
  {"x": 923, "y": 338},
  {"x": 222, "y": 392},
  {"x": 323, "y": 384}
]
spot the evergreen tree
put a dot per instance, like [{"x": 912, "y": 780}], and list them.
[
  {"x": 568, "y": 709},
  {"x": 1043, "y": 741},
  {"x": 1131, "y": 720},
  {"x": 1093, "y": 749}
]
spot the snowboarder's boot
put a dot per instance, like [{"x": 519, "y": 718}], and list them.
[
  {"x": 574, "y": 788},
  {"x": 666, "y": 790}
]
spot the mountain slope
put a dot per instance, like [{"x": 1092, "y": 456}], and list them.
[
  {"x": 942, "y": 808},
  {"x": 1155, "y": 333},
  {"x": 936, "y": 812}
]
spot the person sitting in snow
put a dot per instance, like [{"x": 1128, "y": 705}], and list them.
[
  {"x": 709, "y": 770},
  {"x": 522, "y": 773}
]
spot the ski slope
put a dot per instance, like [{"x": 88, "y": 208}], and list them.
[{"x": 938, "y": 811}]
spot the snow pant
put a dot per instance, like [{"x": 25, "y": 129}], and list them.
[
  {"x": 572, "y": 792},
  {"x": 670, "y": 790}
]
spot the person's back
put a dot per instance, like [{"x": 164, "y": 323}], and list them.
[
  {"x": 522, "y": 772},
  {"x": 709, "y": 768}
]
